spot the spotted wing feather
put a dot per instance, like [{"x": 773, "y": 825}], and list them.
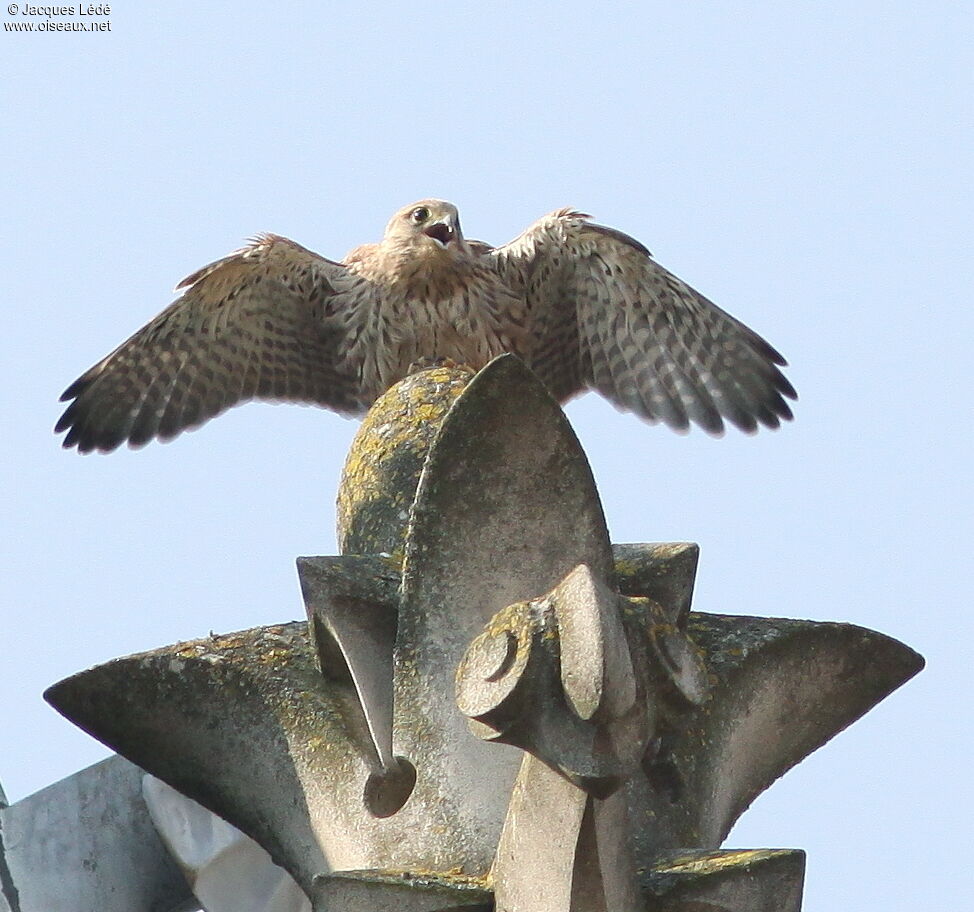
[
  {"x": 606, "y": 316},
  {"x": 261, "y": 323}
]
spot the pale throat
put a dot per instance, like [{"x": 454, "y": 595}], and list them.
[{"x": 430, "y": 271}]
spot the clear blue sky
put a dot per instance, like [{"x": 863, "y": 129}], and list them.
[{"x": 806, "y": 165}]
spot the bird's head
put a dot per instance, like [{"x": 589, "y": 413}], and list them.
[{"x": 432, "y": 223}]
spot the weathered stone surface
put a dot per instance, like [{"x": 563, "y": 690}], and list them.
[
  {"x": 662, "y": 571},
  {"x": 567, "y": 678},
  {"x": 782, "y": 689},
  {"x": 505, "y": 508},
  {"x": 755, "y": 880},
  {"x": 227, "y": 871},
  {"x": 402, "y": 891},
  {"x": 751, "y": 880},
  {"x": 563, "y": 849},
  {"x": 87, "y": 843},
  {"x": 353, "y": 607},
  {"x": 386, "y": 458},
  {"x": 246, "y": 725}
]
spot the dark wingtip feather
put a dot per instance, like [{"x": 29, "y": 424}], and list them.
[
  {"x": 764, "y": 347},
  {"x": 73, "y": 420},
  {"x": 711, "y": 423},
  {"x": 784, "y": 387},
  {"x": 750, "y": 428},
  {"x": 784, "y": 411},
  {"x": 678, "y": 423},
  {"x": 83, "y": 431},
  {"x": 73, "y": 439},
  {"x": 65, "y": 421},
  {"x": 76, "y": 388}
]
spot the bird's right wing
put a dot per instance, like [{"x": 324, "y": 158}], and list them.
[{"x": 266, "y": 322}]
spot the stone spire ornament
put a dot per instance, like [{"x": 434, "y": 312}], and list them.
[{"x": 489, "y": 707}]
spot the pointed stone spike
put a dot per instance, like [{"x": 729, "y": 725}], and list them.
[
  {"x": 353, "y": 615},
  {"x": 664, "y": 572},
  {"x": 781, "y": 689},
  {"x": 352, "y": 604},
  {"x": 238, "y": 723},
  {"x": 246, "y": 725},
  {"x": 506, "y": 508}
]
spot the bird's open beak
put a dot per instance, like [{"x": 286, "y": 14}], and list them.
[{"x": 443, "y": 231}]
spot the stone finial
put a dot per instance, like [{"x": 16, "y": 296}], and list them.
[{"x": 338, "y": 744}]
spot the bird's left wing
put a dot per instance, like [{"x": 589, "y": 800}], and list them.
[
  {"x": 604, "y": 315},
  {"x": 266, "y": 322}
]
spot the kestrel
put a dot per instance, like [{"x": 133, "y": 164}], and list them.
[{"x": 585, "y": 306}]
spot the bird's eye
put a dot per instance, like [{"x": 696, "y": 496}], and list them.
[{"x": 419, "y": 214}]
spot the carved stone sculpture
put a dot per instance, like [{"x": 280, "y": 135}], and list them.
[{"x": 490, "y": 706}]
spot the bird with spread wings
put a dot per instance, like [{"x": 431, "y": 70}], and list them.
[{"x": 585, "y": 306}]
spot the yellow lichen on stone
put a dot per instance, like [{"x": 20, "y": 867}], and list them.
[
  {"x": 386, "y": 459},
  {"x": 626, "y": 568},
  {"x": 718, "y": 861}
]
